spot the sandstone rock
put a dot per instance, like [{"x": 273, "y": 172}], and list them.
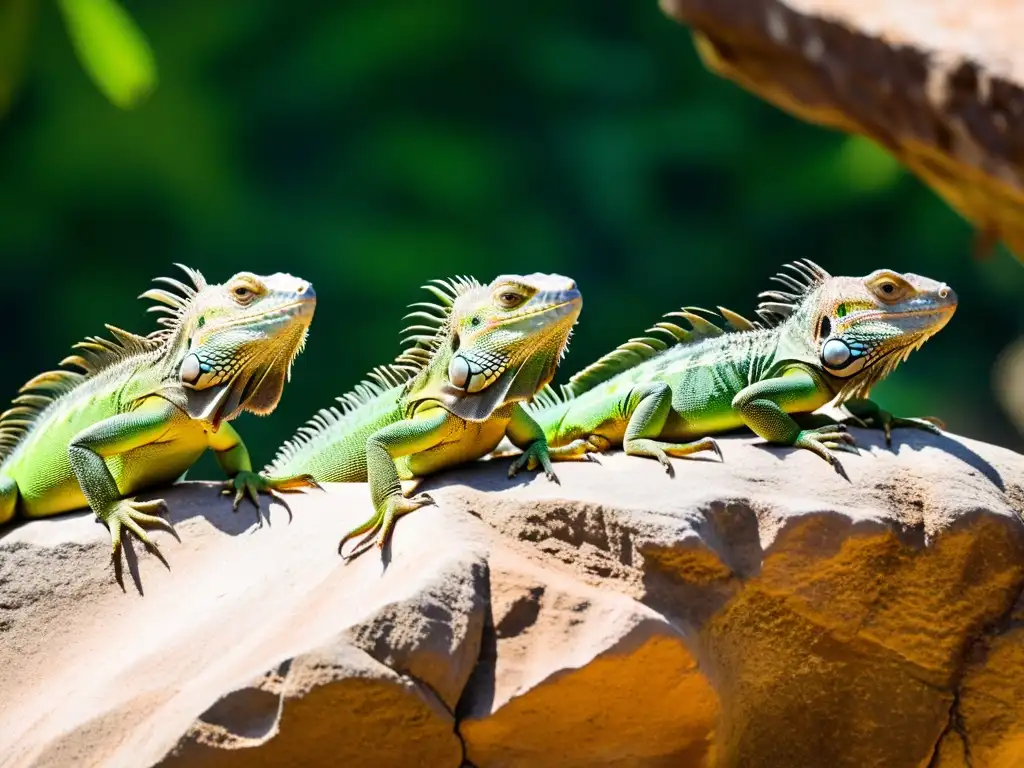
[
  {"x": 937, "y": 82},
  {"x": 762, "y": 611}
]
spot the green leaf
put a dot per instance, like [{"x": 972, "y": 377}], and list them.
[
  {"x": 112, "y": 49},
  {"x": 865, "y": 166}
]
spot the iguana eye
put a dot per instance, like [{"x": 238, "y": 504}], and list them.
[
  {"x": 888, "y": 289},
  {"x": 243, "y": 294},
  {"x": 509, "y": 299}
]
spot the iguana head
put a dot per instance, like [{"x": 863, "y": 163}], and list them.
[
  {"x": 234, "y": 344},
  {"x": 500, "y": 344},
  {"x": 858, "y": 329}
]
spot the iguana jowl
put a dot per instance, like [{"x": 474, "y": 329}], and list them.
[
  {"x": 143, "y": 409},
  {"x": 822, "y": 339},
  {"x": 475, "y": 357}
]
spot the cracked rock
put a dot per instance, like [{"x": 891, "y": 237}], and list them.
[{"x": 760, "y": 611}]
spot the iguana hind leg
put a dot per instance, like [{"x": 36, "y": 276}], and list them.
[
  {"x": 8, "y": 498},
  {"x": 649, "y": 407}
]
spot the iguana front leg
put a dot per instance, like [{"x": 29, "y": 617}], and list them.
[
  {"x": 869, "y": 414},
  {"x": 763, "y": 407},
  {"x": 111, "y": 437},
  {"x": 233, "y": 458},
  {"x": 423, "y": 431},
  {"x": 526, "y": 434}
]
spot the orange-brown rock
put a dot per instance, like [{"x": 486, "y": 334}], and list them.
[
  {"x": 761, "y": 611},
  {"x": 937, "y": 82}
]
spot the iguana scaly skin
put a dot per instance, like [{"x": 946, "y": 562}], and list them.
[
  {"x": 822, "y": 339},
  {"x": 142, "y": 409},
  {"x": 448, "y": 399}
]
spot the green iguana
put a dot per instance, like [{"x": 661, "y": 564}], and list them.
[
  {"x": 449, "y": 398},
  {"x": 822, "y": 339},
  {"x": 142, "y": 409}
]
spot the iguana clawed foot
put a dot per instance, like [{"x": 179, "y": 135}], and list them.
[
  {"x": 128, "y": 513},
  {"x": 382, "y": 522},
  {"x": 824, "y": 440},
  {"x": 251, "y": 484},
  {"x": 536, "y": 455},
  {"x": 868, "y": 414},
  {"x": 662, "y": 451}
]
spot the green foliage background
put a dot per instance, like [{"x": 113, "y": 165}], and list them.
[{"x": 371, "y": 146}]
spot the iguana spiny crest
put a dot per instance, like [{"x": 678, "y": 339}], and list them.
[{"x": 661, "y": 336}]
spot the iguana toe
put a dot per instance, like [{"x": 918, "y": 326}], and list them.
[
  {"x": 131, "y": 515},
  {"x": 824, "y": 440},
  {"x": 536, "y": 455},
  {"x": 293, "y": 483},
  {"x": 378, "y": 528},
  {"x": 250, "y": 485}
]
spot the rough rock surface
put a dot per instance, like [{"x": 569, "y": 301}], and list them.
[
  {"x": 937, "y": 82},
  {"x": 758, "y": 612}
]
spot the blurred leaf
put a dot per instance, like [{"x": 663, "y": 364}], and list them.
[
  {"x": 112, "y": 50},
  {"x": 865, "y": 166},
  {"x": 17, "y": 18}
]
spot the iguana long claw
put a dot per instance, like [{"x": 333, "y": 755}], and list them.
[
  {"x": 578, "y": 450},
  {"x": 824, "y": 440},
  {"x": 128, "y": 514},
  {"x": 249, "y": 485},
  {"x": 382, "y": 523},
  {"x": 537, "y": 454}
]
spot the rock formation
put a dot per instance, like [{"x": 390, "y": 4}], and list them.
[
  {"x": 936, "y": 82},
  {"x": 761, "y": 611}
]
